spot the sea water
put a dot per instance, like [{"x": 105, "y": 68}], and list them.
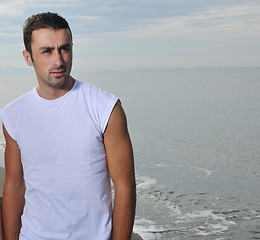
[{"x": 196, "y": 139}]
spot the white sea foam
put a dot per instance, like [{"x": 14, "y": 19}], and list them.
[
  {"x": 175, "y": 208},
  {"x": 146, "y": 229},
  {"x": 2, "y": 146},
  {"x": 208, "y": 172},
  {"x": 209, "y": 222},
  {"x": 145, "y": 182},
  {"x": 161, "y": 165}
]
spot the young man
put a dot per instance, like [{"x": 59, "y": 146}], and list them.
[{"x": 65, "y": 139}]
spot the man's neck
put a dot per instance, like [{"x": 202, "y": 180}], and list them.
[{"x": 50, "y": 93}]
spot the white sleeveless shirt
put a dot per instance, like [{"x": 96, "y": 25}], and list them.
[{"x": 68, "y": 192}]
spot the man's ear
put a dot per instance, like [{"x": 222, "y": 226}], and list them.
[{"x": 28, "y": 58}]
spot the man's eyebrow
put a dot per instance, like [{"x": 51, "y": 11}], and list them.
[
  {"x": 46, "y": 48},
  {"x": 67, "y": 45},
  {"x": 64, "y": 46}
]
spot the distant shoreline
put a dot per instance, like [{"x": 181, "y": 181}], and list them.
[{"x": 28, "y": 71}]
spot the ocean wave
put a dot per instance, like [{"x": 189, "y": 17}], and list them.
[
  {"x": 164, "y": 214},
  {"x": 143, "y": 182}
]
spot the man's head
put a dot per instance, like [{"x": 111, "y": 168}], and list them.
[
  {"x": 39, "y": 21},
  {"x": 48, "y": 43}
]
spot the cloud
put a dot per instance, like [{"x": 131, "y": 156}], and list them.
[
  {"x": 118, "y": 16},
  {"x": 84, "y": 17},
  {"x": 20, "y": 8},
  {"x": 147, "y": 29},
  {"x": 229, "y": 20},
  {"x": 201, "y": 23},
  {"x": 11, "y": 9}
]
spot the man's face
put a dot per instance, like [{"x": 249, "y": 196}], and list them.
[{"x": 52, "y": 56}]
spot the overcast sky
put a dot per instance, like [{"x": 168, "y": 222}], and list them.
[{"x": 136, "y": 34}]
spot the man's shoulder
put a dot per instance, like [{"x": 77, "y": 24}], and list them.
[
  {"x": 94, "y": 91},
  {"x": 100, "y": 103},
  {"x": 87, "y": 86}
]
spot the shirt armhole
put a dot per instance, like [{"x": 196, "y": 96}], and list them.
[{"x": 107, "y": 113}]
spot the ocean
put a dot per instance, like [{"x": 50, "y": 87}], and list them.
[{"x": 196, "y": 139}]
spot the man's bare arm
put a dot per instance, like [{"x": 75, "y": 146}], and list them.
[
  {"x": 121, "y": 169},
  {"x": 13, "y": 194}
]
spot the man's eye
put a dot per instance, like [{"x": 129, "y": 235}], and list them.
[
  {"x": 65, "y": 49},
  {"x": 47, "y": 51}
]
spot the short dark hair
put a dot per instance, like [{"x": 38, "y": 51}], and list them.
[{"x": 39, "y": 21}]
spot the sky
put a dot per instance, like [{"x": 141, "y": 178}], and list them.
[{"x": 112, "y": 35}]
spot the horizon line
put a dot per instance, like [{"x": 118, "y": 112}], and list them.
[{"x": 28, "y": 70}]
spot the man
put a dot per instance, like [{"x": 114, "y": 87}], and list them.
[{"x": 65, "y": 139}]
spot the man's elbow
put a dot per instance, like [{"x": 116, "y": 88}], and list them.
[{"x": 13, "y": 189}]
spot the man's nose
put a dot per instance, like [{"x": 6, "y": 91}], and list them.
[{"x": 58, "y": 59}]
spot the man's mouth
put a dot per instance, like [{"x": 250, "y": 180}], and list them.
[{"x": 58, "y": 73}]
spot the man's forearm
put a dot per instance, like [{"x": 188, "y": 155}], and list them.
[
  {"x": 124, "y": 213},
  {"x": 13, "y": 203}
]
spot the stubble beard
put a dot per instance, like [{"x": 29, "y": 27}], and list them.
[
  {"x": 56, "y": 82},
  {"x": 60, "y": 84}
]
